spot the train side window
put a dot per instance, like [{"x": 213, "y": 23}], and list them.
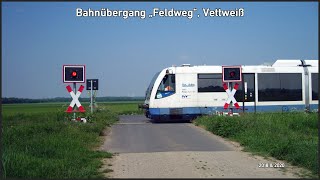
[
  {"x": 210, "y": 83},
  {"x": 167, "y": 86},
  {"x": 315, "y": 87},
  {"x": 279, "y": 87}
]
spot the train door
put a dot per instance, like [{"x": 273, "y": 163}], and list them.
[{"x": 245, "y": 94}]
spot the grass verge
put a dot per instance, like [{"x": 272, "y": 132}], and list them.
[
  {"x": 286, "y": 136},
  {"x": 47, "y": 145}
]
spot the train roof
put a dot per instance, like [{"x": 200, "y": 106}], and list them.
[
  {"x": 294, "y": 63},
  {"x": 278, "y": 64}
]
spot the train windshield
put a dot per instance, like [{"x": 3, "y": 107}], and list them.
[
  {"x": 167, "y": 86},
  {"x": 148, "y": 92}
]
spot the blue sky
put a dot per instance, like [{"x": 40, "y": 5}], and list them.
[{"x": 124, "y": 54}]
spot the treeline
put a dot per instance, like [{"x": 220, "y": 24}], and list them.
[{"x": 13, "y": 100}]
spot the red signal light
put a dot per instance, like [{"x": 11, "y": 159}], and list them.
[
  {"x": 74, "y": 74},
  {"x": 232, "y": 74}
]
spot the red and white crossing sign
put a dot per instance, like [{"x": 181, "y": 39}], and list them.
[
  {"x": 75, "y": 100},
  {"x": 231, "y": 96}
]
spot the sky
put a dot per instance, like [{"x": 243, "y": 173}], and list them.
[{"x": 38, "y": 38}]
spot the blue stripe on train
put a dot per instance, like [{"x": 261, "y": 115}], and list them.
[{"x": 192, "y": 112}]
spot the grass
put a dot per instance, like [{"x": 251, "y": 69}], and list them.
[
  {"x": 40, "y": 141},
  {"x": 286, "y": 136},
  {"x": 120, "y": 107},
  {"x": 33, "y": 108},
  {"x": 124, "y": 108}
]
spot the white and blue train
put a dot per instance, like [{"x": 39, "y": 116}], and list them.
[{"x": 187, "y": 91}]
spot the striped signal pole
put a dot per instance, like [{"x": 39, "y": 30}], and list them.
[
  {"x": 75, "y": 100},
  {"x": 231, "y": 96}
]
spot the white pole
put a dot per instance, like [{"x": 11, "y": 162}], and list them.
[
  {"x": 91, "y": 97},
  {"x": 75, "y": 91},
  {"x": 231, "y": 104}
]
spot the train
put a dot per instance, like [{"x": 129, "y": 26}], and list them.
[{"x": 186, "y": 92}]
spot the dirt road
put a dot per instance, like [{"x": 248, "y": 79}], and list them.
[{"x": 182, "y": 150}]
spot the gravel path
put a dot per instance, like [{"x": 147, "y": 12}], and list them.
[{"x": 195, "y": 153}]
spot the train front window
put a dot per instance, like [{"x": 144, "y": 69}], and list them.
[
  {"x": 167, "y": 86},
  {"x": 148, "y": 92}
]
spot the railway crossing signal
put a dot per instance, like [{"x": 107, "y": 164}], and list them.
[
  {"x": 231, "y": 74},
  {"x": 75, "y": 100},
  {"x": 231, "y": 96},
  {"x": 73, "y": 73}
]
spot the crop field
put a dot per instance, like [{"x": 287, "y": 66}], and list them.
[
  {"x": 40, "y": 141},
  {"x": 286, "y": 136}
]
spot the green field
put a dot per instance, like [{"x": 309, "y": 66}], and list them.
[
  {"x": 40, "y": 141},
  {"x": 124, "y": 108},
  {"x": 286, "y": 136},
  {"x": 32, "y": 108}
]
